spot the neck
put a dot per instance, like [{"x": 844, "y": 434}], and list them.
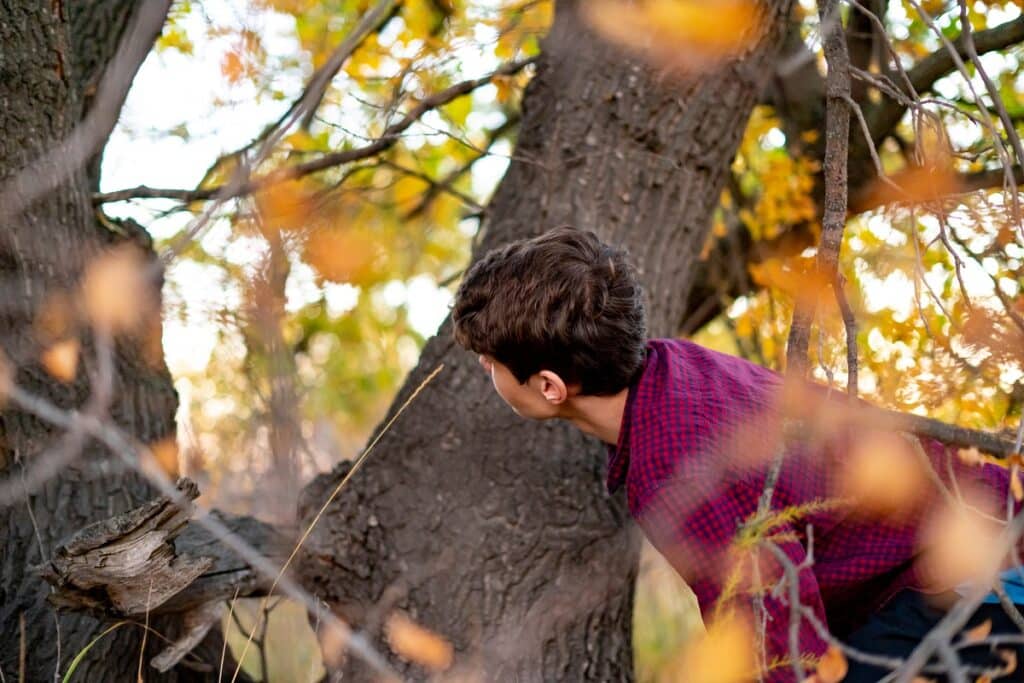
[{"x": 599, "y": 416}]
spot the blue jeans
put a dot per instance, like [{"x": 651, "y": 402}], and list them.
[{"x": 897, "y": 628}]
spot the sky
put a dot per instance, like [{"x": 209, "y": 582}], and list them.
[{"x": 180, "y": 116}]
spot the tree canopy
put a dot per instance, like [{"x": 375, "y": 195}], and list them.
[{"x": 329, "y": 241}]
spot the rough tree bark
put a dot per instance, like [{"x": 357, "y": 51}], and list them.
[
  {"x": 497, "y": 532},
  {"x": 51, "y": 58}
]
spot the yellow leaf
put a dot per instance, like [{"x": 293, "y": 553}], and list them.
[
  {"x": 725, "y": 654},
  {"x": 420, "y": 17},
  {"x": 686, "y": 35},
  {"x": 300, "y": 140},
  {"x": 174, "y": 37},
  {"x": 832, "y": 666},
  {"x": 418, "y": 644},
  {"x": 61, "y": 360},
  {"x": 407, "y": 189}
]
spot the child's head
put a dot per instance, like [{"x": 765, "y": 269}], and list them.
[{"x": 563, "y": 305}]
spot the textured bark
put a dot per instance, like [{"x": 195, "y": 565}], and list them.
[
  {"x": 151, "y": 559},
  {"x": 43, "y": 94},
  {"x": 495, "y": 531}
]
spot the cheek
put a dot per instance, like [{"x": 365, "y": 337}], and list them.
[
  {"x": 500, "y": 383},
  {"x": 507, "y": 387}
]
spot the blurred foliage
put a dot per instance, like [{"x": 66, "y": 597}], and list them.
[
  {"x": 361, "y": 246},
  {"x": 933, "y": 282},
  {"x": 284, "y": 646},
  {"x": 346, "y": 259}
]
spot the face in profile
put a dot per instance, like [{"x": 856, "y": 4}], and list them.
[{"x": 527, "y": 400}]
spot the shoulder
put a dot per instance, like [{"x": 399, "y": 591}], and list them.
[{"x": 688, "y": 401}]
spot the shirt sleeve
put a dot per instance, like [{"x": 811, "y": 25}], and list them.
[{"x": 693, "y": 525}]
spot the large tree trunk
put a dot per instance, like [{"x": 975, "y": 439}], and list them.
[
  {"x": 49, "y": 66},
  {"x": 498, "y": 532}
]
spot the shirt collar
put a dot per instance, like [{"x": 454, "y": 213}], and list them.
[{"x": 618, "y": 455}]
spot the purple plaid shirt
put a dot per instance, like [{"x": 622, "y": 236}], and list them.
[{"x": 697, "y": 437}]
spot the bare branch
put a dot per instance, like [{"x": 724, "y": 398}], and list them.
[
  {"x": 138, "y": 457},
  {"x": 883, "y": 118},
  {"x": 938, "y": 640},
  {"x": 390, "y": 136},
  {"x": 834, "y": 215}
]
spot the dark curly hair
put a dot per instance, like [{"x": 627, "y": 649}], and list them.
[{"x": 563, "y": 301}]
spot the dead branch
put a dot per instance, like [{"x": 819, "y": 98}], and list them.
[{"x": 110, "y": 567}]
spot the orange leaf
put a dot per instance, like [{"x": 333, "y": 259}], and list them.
[
  {"x": 418, "y": 644},
  {"x": 1015, "y": 486},
  {"x": 333, "y": 643},
  {"x": 1010, "y": 657},
  {"x": 915, "y": 185},
  {"x": 114, "y": 290},
  {"x": 832, "y": 666},
  {"x": 883, "y": 474},
  {"x": 55, "y": 318},
  {"x": 285, "y": 205},
  {"x": 686, "y": 36},
  {"x": 956, "y": 542},
  {"x": 231, "y": 66},
  {"x": 166, "y": 453},
  {"x": 61, "y": 360},
  {"x": 6, "y": 377},
  {"x": 341, "y": 255},
  {"x": 979, "y": 632},
  {"x": 970, "y": 456}
]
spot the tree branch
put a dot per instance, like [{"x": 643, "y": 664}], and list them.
[
  {"x": 883, "y": 118},
  {"x": 109, "y": 567},
  {"x": 837, "y": 142},
  {"x": 390, "y": 136}
]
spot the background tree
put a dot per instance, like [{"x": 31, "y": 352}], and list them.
[
  {"x": 51, "y": 75},
  {"x": 374, "y": 185}
]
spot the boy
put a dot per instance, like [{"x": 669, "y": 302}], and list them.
[{"x": 558, "y": 322}]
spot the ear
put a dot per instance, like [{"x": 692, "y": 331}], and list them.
[{"x": 552, "y": 387}]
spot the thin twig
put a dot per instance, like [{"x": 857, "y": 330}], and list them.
[
  {"x": 334, "y": 494},
  {"x": 139, "y": 458},
  {"x": 387, "y": 139}
]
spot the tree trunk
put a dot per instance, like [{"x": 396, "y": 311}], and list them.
[
  {"x": 49, "y": 67},
  {"x": 498, "y": 532}
]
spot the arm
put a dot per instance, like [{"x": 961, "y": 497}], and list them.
[{"x": 694, "y": 525}]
